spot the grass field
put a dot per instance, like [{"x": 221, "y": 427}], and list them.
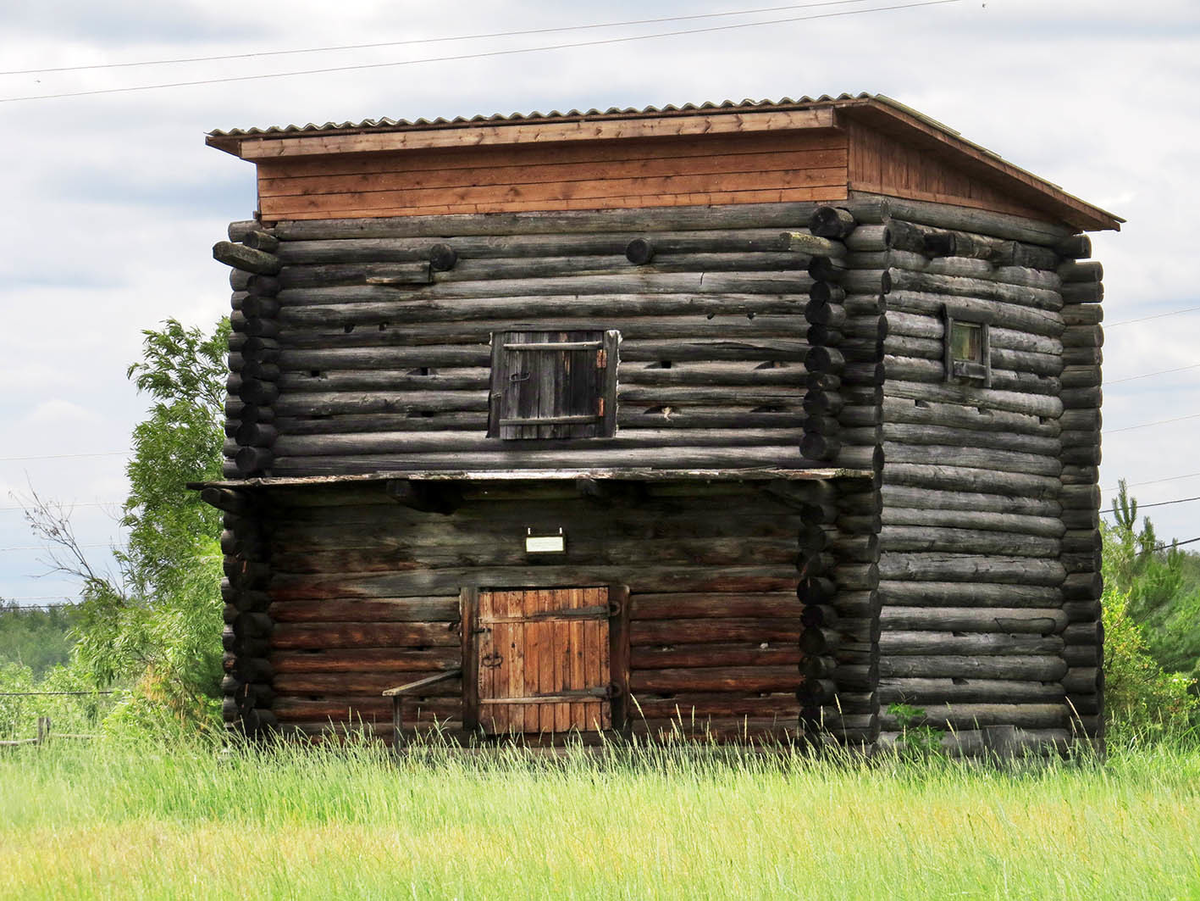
[{"x": 139, "y": 822}]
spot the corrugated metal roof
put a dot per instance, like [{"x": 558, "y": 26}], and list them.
[{"x": 574, "y": 115}]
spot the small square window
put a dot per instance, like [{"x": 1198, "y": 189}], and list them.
[
  {"x": 553, "y": 385},
  {"x": 968, "y": 356}
]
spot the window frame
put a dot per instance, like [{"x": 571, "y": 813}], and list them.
[
  {"x": 967, "y": 371},
  {"x": 563, "y": 422}
]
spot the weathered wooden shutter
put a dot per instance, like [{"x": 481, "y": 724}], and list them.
[
  {"x": 543, "y": 660},
  {"x": 553, "y": 384}
]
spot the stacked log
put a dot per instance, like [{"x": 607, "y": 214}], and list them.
[
  {"x": 247, "y": 685},
  {"x": 1082, "y": 340},
  {"x": 846, "y": 330},
  {"x": 382, "y": 356},
  {"x": 250, "y": 427},
  {"x": 365, "y": 597},
  {"x": 972, "y": 563}
]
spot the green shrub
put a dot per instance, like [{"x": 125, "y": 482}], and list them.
[{"x": 1143, "y": 701}]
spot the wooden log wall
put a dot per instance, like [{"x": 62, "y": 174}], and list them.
[
  {"x": 247, "y": 684},
  {"x": 1082, "y": 290},
  {"x": 363, "y": 345},
  {"x": 365, "y": 596},
  {"x": 840, "y": 548},
  {"x": 978, "y": 549}
]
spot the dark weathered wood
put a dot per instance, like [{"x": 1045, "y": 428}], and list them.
[
  {"x": 967, "y": 716},
  {"x": 940, "y": 691},
  {"x": 969, "y": 594},
  {"x": 871, "y": 207},
  {"x": 949, "y": 567},
  {"x": 261, "y": 240},
  {"x": 831, "y": 222},
  {"x": 245, "y": 258},
  {"x": 972, "y": 480},
  {"x": 1034, "y": 668},
  {"x": 1082, "y": 292}
]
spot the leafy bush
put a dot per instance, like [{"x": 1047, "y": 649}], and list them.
[{"x": 1143, "y": 701}]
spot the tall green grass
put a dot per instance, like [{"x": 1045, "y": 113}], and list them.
[{"x": 113, "y": 821}]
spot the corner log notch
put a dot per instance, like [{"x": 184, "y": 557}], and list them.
[{"x": 247, "y": 684}]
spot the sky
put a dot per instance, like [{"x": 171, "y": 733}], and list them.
[{"x": 112, "y": 201}]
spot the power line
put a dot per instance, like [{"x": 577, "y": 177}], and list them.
[
  {"x": 73, "y": 505},
  {"x": 1148, "y": 424},
  {"x": 437, "y": 40},
  {"x": 1171, "y": 544},
  {"x": 1190, "y": 475},
  {"x": 480, "y": 55},
  {"x": 1182, "y": 500},
  {"x": 1112, "y": 325},
  {"x": 123, "y": 453},
  {"x": 1130, "y": 378},
  {"x": 46, "y": 547}
]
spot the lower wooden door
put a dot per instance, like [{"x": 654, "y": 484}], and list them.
[{"x": 542, "y": 660}]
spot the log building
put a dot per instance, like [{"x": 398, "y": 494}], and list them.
[{"x": 750, "y": 420}]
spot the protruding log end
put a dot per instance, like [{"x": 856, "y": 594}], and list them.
[
  {"x": 225, "y": 499},
  {"x": 831, "y": 222},
  {"x": 815, "y": 446},
  {"x": 1082, "y": 292},
  {"x": 639, "y": 251},
  {"x": 442, "y": 257},
  {"x": 256, "y": 434},
  {"x": 263, "y": 285},
  {"x": 824, "y": 292},
  {"x": 1076, "y": 247},
  {"x": 239, "y": 256},
  {"x": 261, "y": 240},
  {"x": 824, "y": 359},
  {"x": 822, "y": 313},
  {"x": 1091, "y": 271},
  {"x": 826, "y": 269},
  {"x": 257, "y": 391},
  {"x": 813, "y": 245},
  {"x": 253, "y": 459},
  {"x": 254, "y": 306}
]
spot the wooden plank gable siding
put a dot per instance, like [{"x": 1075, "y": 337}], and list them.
[
  {"x": 736, "y": 168},
  {"x": 879, "y": 163},
  {"x": 378, "y": 377},
  {"x": 366, "y": 596}
]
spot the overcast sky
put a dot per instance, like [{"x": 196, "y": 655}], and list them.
[{"x": 112, "y": 202}]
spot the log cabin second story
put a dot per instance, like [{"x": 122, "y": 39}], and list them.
[{"x": 623, "y": 289}]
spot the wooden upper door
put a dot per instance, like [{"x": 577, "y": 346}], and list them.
[{"x": 542, "y": 658}]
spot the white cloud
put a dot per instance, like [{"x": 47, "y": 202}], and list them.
[{"x": 112, "y": 202}]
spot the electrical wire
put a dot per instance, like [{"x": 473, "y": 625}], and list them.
[
  {"x": 437, "y": 40},
  {"x": 1113, "y": 325},
  {"x": 1130, "y": 378},
  {"x": 481, "y": 55},
  {"x": 1144, "y": 425},
  {"x": 80, "y": 504},
  {"x": 1182, "y": 500},
  {"x": 1147, "y": 425},
  {"x": 123, "y": 453},
  {"x": 1189, "y": 475}
]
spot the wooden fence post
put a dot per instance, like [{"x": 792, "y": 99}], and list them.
[{"x": 43, "y": 729}]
